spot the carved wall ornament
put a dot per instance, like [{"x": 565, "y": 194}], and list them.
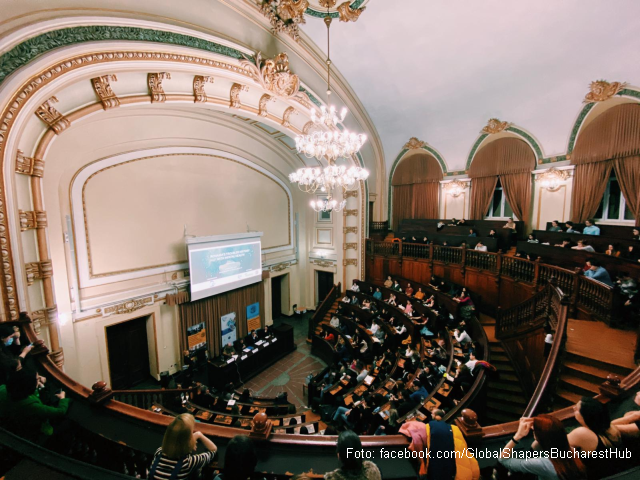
[
  {"x": 327, "y": 3},
  {"x": 350, "y": 246},
  {"x": 155, "y": 86},
  {"x": 351, "y": 213},
  {"x": 128, "y": 306},
  {"x": 495, "y": 126},
  {"x": 38, "y": 270},
  {"x": 105, "y": 93},
  {"x": 44, "y": 317},
  {"x": 351, "y": 193},
  {"x": 350, "y": 261},
  {"x": 52, "y": 117},
  {"x": 234, "y": 94},
  {"x": 199, "y": 95},
  {"x": 324, "y": 263},
  {"x": 28, "y": 165},
  {"x": 414, "y": 143},
  {"x": 279, "y": 267},
  {"x": 287, "y": 115},
  {"x": 601, "y": 90},
  {"x": 285, "y": 15},
  {"x": 262, "y": 105},
  {"x": 274, "y": 75},
  {"x": 307, "y": 127},
  {"x": 32, "y": 219},
  {"x": 57, "y": 358},
  {"x": 348, "y": 14},
  {"x": 350, "y": 230}
]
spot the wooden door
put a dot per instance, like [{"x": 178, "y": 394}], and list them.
[
  {"x": 128, "y": 353},
  {"x": 276, "y": 296},
  {"x": 325, "y": 284}
]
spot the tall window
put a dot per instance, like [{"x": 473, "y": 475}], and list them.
[
  {"x": 499, "y": 207},
  {"x": 613, "y": 205}
]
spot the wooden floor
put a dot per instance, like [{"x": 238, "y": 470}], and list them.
[{"x": 597, "y": 341}]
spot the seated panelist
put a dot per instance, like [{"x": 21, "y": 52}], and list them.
[
  {"x": 228, "y": 350},
  {"x": 265, "y": 332},
  {"x": 240, "y": 345},
  {"x": 252, "y": 338}
]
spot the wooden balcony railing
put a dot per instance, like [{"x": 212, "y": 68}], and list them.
[
  {"x": 379, "y": 227},
  {"x": 591, "y": 296},
  {"x": 146, "y": 398},
  {"x": 322, "y": 309}
]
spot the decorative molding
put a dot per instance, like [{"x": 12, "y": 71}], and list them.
[
  {"x": 32, "y": 219},
  {"x": 199, "y": 95},
  {"x": 154, "y": 80},
  {"x": 350, "y": 230},
  {"x": 262, "y": 105},
  {"x": 414, "y": 143},
  {"x": 494, "y": 126},
  {"x": 351, "y": 213},
  {"x": 38, "y": 270},
  {"x": 350, "y": 246},
  {"x": 29, "y": 165},
  {"x": 102, "y": 87},
  {"x": 307, "y": 127},
  {"x": 279, "y": 267},
  {"x": 287, "y": 115},
  {"x": 44, "y": 317},
  {"x": 128, "y": 307},
  {"x": 274, "y": 75},
  {"x": 234, "y": 94},
  {"x": 324, "y": 263},
  {"x": 285, "y": 15},
  {"x": 351, "y": 193},
  {"x": 326, "y": 4},
  {"x": 57, "y": 358},
  {"x": 348, "y": 14},
  {"x": 601, "y": 91},
  {"x": 52, "y": 117},
  {"x": 350, "y": 261}
]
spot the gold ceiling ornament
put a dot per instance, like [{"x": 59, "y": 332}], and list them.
[
  {"x": 103, "y": 89},
  {"x": 154, "y": 81},
  {"x": 128, "y": 307},
  {"x": 552, "y": 179},
  {"x": 351, "y": 193},
  {"x": 262, "y": 105},
  {"x": 414, "y": 143},
  {"x": 327, "y": 3},
  {"x": 199, "y": 94},
  {"x": 307, "y": 127},
  {"x": 287, "y": 115},
  {"x": 52, "y": 117},
  {"x": 285, "y": 15},
  {"x": 350, "y": 230},
  {"x": 274, "y": 75},
  {"x": 31, "y": 219},
  {"x": 28, "y": 165},
  {"x": 38, "y": 270},
  {"x": 495, "y": 126},
  {"x": 350, "y": 261},
  {"x": 455, "y": 188},
  {"x": 234, "y": 94},
  {"x": 348, "y": 14},
  {"x": 601, "y": 90}
]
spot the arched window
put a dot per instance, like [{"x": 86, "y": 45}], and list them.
[
  {"x": 501, "y": 180},
  {"x": 416, "y": 183},
  {"x": 607, "y": 173}
]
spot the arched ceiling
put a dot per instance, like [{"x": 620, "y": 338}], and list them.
[{"x": 440, "y": 70}]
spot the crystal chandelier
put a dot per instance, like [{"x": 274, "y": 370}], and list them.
[
  {"x": 328, "y": 205},
  {"x": 331, "y": 141}
]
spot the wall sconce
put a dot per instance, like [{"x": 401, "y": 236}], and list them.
[
  {"x": 552, "y": 179},
  {"x": 455, "y": 188}
]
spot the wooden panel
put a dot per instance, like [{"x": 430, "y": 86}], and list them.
[
  {"x": 418, "y": 271},
  {"x": 513, "y": 292},
  {"x": 394, "y": 267},
  {"x": 527, "y": 354},
  {"x": 483, "y": 284}
]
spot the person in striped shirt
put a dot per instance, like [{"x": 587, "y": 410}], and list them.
[{"x": 176, "y": 459}]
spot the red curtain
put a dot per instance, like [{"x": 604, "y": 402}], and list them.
[
  {"x": 425, "y": 200},
  {"x": 481, "y": 192},
  {"x": 517, "y": 189},
  {"x": 589, "y": 184},
  {"x": 628, "y": 175},
  {"x": 402, "y": 204}
]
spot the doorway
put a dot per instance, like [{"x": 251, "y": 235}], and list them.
[
  {"x": 128, "y": 353},
  {"x": 276, "y": 296},
  {"x": 324, "y": 282}
]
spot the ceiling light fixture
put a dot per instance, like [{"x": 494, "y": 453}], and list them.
[{"x": 327, "y": 205}]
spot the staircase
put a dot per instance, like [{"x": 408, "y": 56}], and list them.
[
  {"x": 586, "y": 365},
  {"x": 506, "y": 401},
  {"x": 327, "y": 317}
]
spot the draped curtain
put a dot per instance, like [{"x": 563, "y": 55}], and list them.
[
  {"x": 611, "y": 140},
  {"x": 510, "y": 159},
  {"x": 210, "y": 309},
  {"x": 416, "y": 187}
]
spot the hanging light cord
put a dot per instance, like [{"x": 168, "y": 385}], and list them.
[{"x": 327, "y": 21}]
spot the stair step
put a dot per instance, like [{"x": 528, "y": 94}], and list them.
[
  {"x": 499, "y": 417},
  {"x": 581, "y": 385},
  {"x": 509, "y": 397},
  {"x": 507, "y": 407},
  {"x": 567, "y": 398},
  {"x": 499, "y": 357},
  {"x": 503, "y": 367},
  {"x": 610, "y": 368},
  {"x": 505, "y": 386},
  {"x": 587, "y": 369},
  {"x": 509, "y": 377}
]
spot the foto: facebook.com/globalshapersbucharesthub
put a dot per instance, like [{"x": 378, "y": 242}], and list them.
[{"x": 480, "y": 453}]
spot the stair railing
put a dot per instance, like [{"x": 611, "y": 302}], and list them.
[{"x": 322, "y": 310}]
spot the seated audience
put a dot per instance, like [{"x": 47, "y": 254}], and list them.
[
  {"x": 425, "y": 240},
  {"x": 409, "y": 290},
  {"x": 532, "y": 239},
  {"x": 391, "y": 300},
  {"x": 569, "y": 228},
  {"x": 355, "y": 287},
  {"x": 377, "y": 294},
  {"x": 555, "y": 227},
  {"x": 631, "y": 253},
  {"x": 472, "y": 233},
  {"x": 629, "y": 424},
  {"x": 583, "y": 245},
  {"x": 462, "y": 336},
  {"x": 388, "y": 283},
  {"x": 466, "y": 304},
  {"x": 454, "y": 222},
  {"x": 590, "y": 228},
  {"x": 420, "y": 394},
  {"x": 480, "y": 247},
  {"x": 550, "y": 437},
  {"x": 511, "y": 225},
  {"x": 419, "y": 294},
  {"x": 414, "y": 239},
  {"x": 396, "y": 286},
  {"x": 240, "y": 459},
  {"x": 334, "y": 322},
  {"x": 628, "y": 286},
  {"x": 492, "y": 233},
  {"x": 10, "y": 342},
  {"x": 352, "y": 467},
  {"x": 471, "y": 363},
  {"x": 636, "y": 234},
  {"x": 612, "y": 251},
  {"x": 566, "y": 243},
  {"x": 598, "y": 272},
  {"x": 440, "y": 226}
]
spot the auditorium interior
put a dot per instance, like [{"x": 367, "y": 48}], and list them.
[{"x": 282, "y": 222}]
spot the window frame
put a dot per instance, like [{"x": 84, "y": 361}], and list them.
[
  {"x": 503, "y": 203},
  {"x": 605, "y": 206}
]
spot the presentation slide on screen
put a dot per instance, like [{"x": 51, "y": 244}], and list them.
[{"x": 219, "y": 267}]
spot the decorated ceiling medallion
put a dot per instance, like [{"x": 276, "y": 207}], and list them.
[
  {"x": 601, "y": 90},
  {"x": 274, "y": 75},
  {"x": 414, "y": 143},
  {"x": 495, "y": 126},
  {"x": 349, "y": 14},
  {"x": 285, "y": 15}
]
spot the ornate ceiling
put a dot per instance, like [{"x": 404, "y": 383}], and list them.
[{"x": 441, "y": 70}]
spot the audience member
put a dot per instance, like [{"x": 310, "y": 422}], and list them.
[
  {"x": 583, "y": 245},
  {"x": 355, "y": 287},
  {"x": 560, "y": 461},
  {"x": 612, "y": 251},
  {"x": 481, "y": 247},
  {"x": 636, "y": 234},
  {"x": 532, "y": 239},
  {"x": 352, "y": 467},
  {"x": 566, "y": 243},
  {"x": 569, "y": 228},
  {"x": 555, "y": 227},
  {"x": 472, "y": 233},
  {"x": 511, "y": 225},
  {"x": 631, "y": 253},
  {"x": 419, "y": 294},
  {"x": 388, "y": 283},
  {"x": 590, "y": 228},
  {"x": 598, "y": 272},
  {"x": 240, "y": 459},
  {"x": 492, "y": 233},
  {"x": 377, "y": 294},
  {"x": 462, "y": 336},
  {"x": 409, "y": 290},
  {"x": 396, "y": 286},
  {"x": 629, "y": 424}
]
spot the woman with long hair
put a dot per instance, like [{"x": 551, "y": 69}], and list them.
[
  {"x": 595, "y": 434},
  {"x": 353, "y": 467},
  {"x": 549, "y": 436},
  {"x": 240, "y": 459},
  {"x": 176, "y": 457}
]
